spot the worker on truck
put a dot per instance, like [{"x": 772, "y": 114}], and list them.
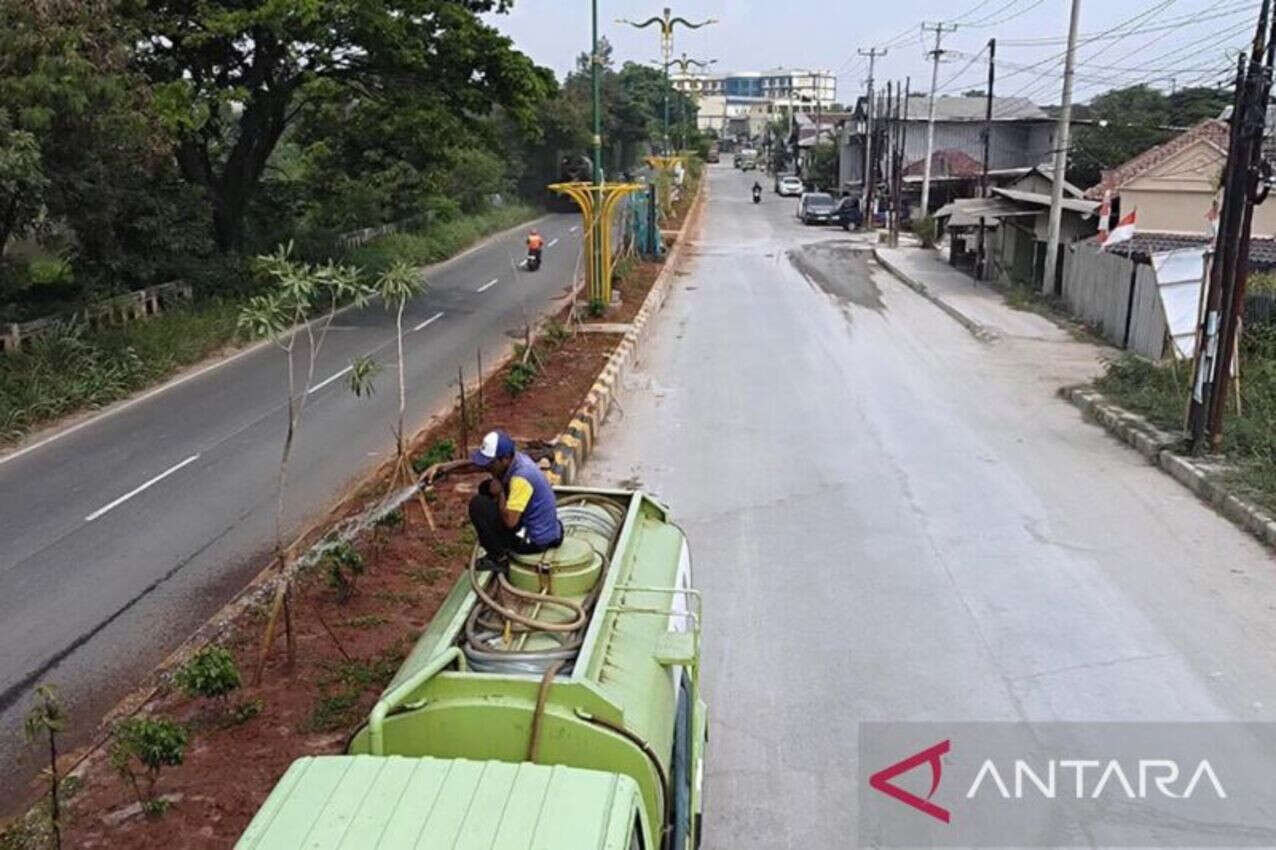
[{"x": 514, "y": 510}]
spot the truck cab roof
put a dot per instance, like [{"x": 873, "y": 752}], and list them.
[{"x": 366, "y": 802}]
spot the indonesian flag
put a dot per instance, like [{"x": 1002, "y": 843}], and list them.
[
  {"x": 1123, "y": 232},
  {"x": 1212, "y": 216},
  {"x": 1105, "y": 213}
]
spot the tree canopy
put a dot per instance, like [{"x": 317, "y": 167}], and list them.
[{"x": 1128, "y": 121}]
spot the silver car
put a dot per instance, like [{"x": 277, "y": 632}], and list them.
[{"x": 788, "y": 186}]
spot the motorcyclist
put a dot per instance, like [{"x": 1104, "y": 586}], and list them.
[
  {"x": 757, "y": 190},
  {"x": 535, "y": 244}
]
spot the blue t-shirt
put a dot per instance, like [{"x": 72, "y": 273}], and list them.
[{"x": 539, "y": 509}]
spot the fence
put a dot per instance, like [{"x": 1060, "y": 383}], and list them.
[
  {"x": 1118, "y": 297},
  {"x": 118, "y": 310},
  {"x": 1260, "y": 308}
]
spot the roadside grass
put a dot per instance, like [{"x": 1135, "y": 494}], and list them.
[
  {"x": 1160, "y": 393},
  {"x": 441, "y": 241},
  {"x": 78, "y": 369}
]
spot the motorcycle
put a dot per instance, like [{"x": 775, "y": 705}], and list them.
[
  {"x": 533, "y": 259},
  {"x": 757, "y": 195}
]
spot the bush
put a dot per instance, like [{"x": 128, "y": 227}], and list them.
[
  {"x": 50, "y": 271},
  {"x": 73, "y": 368},
  {"x": 925, "y": 229},
  {"x": 556, "y": 333},
  {"x": 440, "y": 452},
  {"x": 146, "y": 745},
  {"x": 519, "y": 377},
  {"x": 436, "y": 241},
  {"x": 344, "y": 566},
  {"x": 210, "y": 673}
]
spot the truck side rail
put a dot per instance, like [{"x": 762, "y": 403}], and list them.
[{"x": 395, "y": 698}]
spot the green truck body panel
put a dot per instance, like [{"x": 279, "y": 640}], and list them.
[
  {"x": 614, "y": 714},
  {"x": 367, "y": 802}
]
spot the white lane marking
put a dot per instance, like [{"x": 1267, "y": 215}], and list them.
[
  {"x": 552, "y": 242},
  {"x": 429, "y": 321},
  {"x": 485, "y": 287},
  {"x": 131, "y": 493},
  {"x": 328, "y": 380},
  {"x": 574, "y": 229}
]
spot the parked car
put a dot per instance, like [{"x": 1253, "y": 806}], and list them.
[
  {"x": 788, "y": 185},
  {"x": 847, "y": 213},
  {"x": 816, "y": 208}
]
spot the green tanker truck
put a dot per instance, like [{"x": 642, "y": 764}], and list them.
[{"x": 556, "y": 708}]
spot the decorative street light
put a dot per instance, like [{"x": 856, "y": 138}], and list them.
[
  {"x": 683, "y": 63},
  {"x": 667, "y": 24}
]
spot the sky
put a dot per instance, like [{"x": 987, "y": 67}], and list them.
[{"x": 1122, "y": 42}]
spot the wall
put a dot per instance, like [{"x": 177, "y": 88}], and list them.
[
  {"x": 1013, "y": 143},
  {"x": 1096, "y": 288}
]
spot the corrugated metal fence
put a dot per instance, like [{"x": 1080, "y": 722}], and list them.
[{"x": 1116, "y": 296}]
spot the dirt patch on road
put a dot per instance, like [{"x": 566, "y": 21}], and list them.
[{"x": 839, "y": 268}]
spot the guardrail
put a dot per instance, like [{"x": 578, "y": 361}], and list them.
[{"x": 118, "y": 310}]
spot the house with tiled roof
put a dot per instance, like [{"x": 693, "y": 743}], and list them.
[{"x": 1174, "y": 184}]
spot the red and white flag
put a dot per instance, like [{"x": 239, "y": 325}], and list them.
[
  {"x": 1212, "y": 216},
  {"x": 1123, "y": 232},
  {"x": 1105, "y": 214}
]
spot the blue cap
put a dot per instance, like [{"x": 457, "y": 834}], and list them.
[{"x": 495, "y": 444}]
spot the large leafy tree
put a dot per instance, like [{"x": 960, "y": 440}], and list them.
[
  {"x": 1128, "y": 121},
  {"x": 232, "y": 76},
  {"x": 22, "y": 180},
  {"x": 65, "y": 82}
]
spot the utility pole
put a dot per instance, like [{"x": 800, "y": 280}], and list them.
[
  {"x": 1229, "y": 268},
  {"x": 872, "y": 53},
  {"x": 939, "y": 29},
  {"x": 903, "y": 157},
  {"x": 980, "y": 256},
  {"x": 596, "y": 242},
  {"x": 1061, "y": 156}
]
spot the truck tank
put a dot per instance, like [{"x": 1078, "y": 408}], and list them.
[{"x": 586, "y": 657}]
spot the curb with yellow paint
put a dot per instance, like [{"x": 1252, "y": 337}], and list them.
[{"x": 574, "y": 445}]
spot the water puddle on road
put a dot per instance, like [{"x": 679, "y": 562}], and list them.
[{"x": 839, "y": 269}]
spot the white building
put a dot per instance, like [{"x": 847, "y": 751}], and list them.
[{"x": 748, "y": 94}]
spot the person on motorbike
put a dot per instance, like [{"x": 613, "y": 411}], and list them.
[
  {"x": 757, "y": 190},
  {"x": 534, "y": 245}
]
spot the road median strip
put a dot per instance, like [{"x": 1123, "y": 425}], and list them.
[{"x": 385, "y": 593}]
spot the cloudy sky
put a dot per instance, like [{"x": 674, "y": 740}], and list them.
[{"x": 1161, "y": 42}]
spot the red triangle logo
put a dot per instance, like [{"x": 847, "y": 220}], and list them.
[{"x": 882, "y": 780}]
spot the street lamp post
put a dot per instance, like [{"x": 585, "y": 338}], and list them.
[
  {"x": 667, "y": 24},
  {"x": 683, "y": 63}
]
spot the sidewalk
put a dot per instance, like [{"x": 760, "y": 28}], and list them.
[{"x": 978, "y": 307}]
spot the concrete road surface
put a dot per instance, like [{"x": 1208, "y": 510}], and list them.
[
  {"x": 121, "y": 536},
  {"x": 891, "y": 520}
]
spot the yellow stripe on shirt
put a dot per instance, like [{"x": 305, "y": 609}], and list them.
[{"x": 520, "y": 494}]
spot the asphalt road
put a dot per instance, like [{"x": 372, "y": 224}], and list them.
[
  {"x": 891, "y": 520},
  {"x": 122, "y": 536}
]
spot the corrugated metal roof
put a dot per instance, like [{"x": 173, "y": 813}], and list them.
[
  {"x": 954, "y": 108},
  {"x": 966, "y": 212},
  {"x": 366, "y": 802},
  {"x": 1073, "y": 204}
]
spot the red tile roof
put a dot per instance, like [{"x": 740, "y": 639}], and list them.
[
  {"x": 1211, "y": 129},
  {"x": 949, "y": 162}
]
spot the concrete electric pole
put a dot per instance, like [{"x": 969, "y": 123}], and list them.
[
  {"x": 872, "y": 53},
  {"x": 935, "y": 54},
  {"x": 1061, "y": 156}
]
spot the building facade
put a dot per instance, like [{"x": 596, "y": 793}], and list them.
[
  {"x": 742, "y": 93},
  {"x": 1022, "y": 136}
]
